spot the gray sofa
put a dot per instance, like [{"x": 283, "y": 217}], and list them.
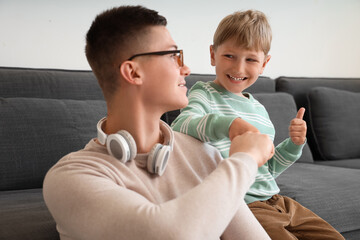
[{"x": 45, "y": 114}]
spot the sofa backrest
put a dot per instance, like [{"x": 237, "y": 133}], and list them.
[
  {"x": 79, "y": 84},
  {"x": 300, "y": 89},
  {"x": 48, "y": 113},
  {"x": 49, "y": 83},
  {"x": 45, "y": 114},
  {"x": 37, "y": 132}
]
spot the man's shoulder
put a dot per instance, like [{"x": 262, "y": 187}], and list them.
[{"x": 92, "y": 152}]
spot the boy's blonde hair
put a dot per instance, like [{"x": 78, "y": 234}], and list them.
[{"x": 250, "y": 29}]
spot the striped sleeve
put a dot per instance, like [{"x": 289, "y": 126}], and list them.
[
  {"x": 286, "y": 153},
  {"x": 199, "y": 120}
]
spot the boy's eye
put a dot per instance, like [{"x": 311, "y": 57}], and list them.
[
  {"x": 251, "y": 60},
  {"x": 229, "y": 56}
]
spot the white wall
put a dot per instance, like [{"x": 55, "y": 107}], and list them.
[{"x": 313, "y": 38}]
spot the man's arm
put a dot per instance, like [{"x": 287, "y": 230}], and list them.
[{"x": 87, "y": 205}]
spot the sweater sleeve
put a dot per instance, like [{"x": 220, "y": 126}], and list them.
[
  {"x": 198, "y": 119},
  {"x": 286, "y": 153},
  {"x": 87, "y": 205}
]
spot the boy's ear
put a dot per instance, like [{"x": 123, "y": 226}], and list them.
[
  {"x": 212, "y": 55},
  {"x": 267, "y": 59},
  {"x": 131, "y": 72}
]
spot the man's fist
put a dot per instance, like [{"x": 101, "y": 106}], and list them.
[
  {"x": 258, "y": 146},
  {"x": 297, "y": 128},
  {"x": 240, "y": 126}
]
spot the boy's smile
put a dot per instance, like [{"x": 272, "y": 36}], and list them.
[
  {"x": 237, "y": 79},
  {"x": 237, "y": 68}
]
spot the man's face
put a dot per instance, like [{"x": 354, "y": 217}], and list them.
[
  {"x": 163, "y": 78},
  {"x": 237, "y": 68}
]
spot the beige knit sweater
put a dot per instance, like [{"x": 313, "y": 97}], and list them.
[{"x": 91, "y": 195}]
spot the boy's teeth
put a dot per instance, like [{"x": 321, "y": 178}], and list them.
[{"x": 236, "y": 79}]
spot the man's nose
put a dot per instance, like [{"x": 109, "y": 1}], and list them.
[{"x": 185, "y": 70}]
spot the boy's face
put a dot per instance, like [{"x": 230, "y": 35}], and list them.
[
  {"x": 237, "y": 68},
  {"x": 163, "y": 80}
]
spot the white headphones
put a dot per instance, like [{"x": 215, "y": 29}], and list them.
[{"x": 122, "y": 146}]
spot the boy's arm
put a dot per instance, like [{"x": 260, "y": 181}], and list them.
[
  {"x": 288, "y": 151},
  {"x": 239, "y": 126},
  {"x": 199, "y": 120}
]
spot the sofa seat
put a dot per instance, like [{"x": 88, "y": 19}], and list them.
[
  {"x": 27, "y": 208},
  {"x": 333, "y": 193}
]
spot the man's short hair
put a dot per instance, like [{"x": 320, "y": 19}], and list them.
[
  {"x": 250, "y": 29},
  {"x": 113, "y": 37}
]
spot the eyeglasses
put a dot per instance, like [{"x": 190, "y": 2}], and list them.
[{"x": 177, "y": 54}]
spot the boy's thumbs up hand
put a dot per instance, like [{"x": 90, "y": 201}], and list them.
[
  {"x": 300, "y": 113},
  {"x": 297, "y": 128}
]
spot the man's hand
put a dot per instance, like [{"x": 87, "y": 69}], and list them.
[
  {"x": 240, "y": 126},
  {"x": 258, "y": 146},
  {"x": 297, "y": 128}
]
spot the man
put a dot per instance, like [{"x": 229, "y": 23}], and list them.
[{"x": 138, "y": 179}]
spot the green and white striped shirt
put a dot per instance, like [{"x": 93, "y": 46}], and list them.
[{"x": 208, "y": 116}]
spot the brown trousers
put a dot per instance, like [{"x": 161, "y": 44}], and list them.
[{"x": 284, "y": 218}]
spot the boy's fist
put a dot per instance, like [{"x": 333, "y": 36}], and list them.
[
  {"x": 258, "y": 146},
  {"x": 240, "y": 126},
  {"x": 297, "y": 128}
]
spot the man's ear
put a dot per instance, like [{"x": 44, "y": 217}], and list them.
[
  {"x": 212, "y": 55},
  {"x": 267, "y": 59},
  {"x": 131, "y": 73}
]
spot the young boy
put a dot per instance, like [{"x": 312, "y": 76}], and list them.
[
  {"x": 220, "y": 110},
  {"x": 158, "y": 188}
]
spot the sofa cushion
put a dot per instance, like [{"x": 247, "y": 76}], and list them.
[
  {"x": 299, "y": 88},
  {"x": 336, "y": 122},
  {"x": 24, "y": 215},
  {"x": 36, "y": 133},
  {"x": 282, "y": 109}
]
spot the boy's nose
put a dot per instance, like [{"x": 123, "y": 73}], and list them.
[{"x": 240, "y": 66}]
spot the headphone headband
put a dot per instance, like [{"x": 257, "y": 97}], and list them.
[
  {"x": 169, "y": 134},
  {"x": 101, "y": 135}
]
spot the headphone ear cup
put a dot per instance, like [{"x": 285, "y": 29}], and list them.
[
  {"x": 158, "y": 159},
  {"x": 122, "y": 146}
]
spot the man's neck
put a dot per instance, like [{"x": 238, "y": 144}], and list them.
[{"x": 142, "y": 124}]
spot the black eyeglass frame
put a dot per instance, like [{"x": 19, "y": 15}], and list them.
[{"x": 161, "y": 53}]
